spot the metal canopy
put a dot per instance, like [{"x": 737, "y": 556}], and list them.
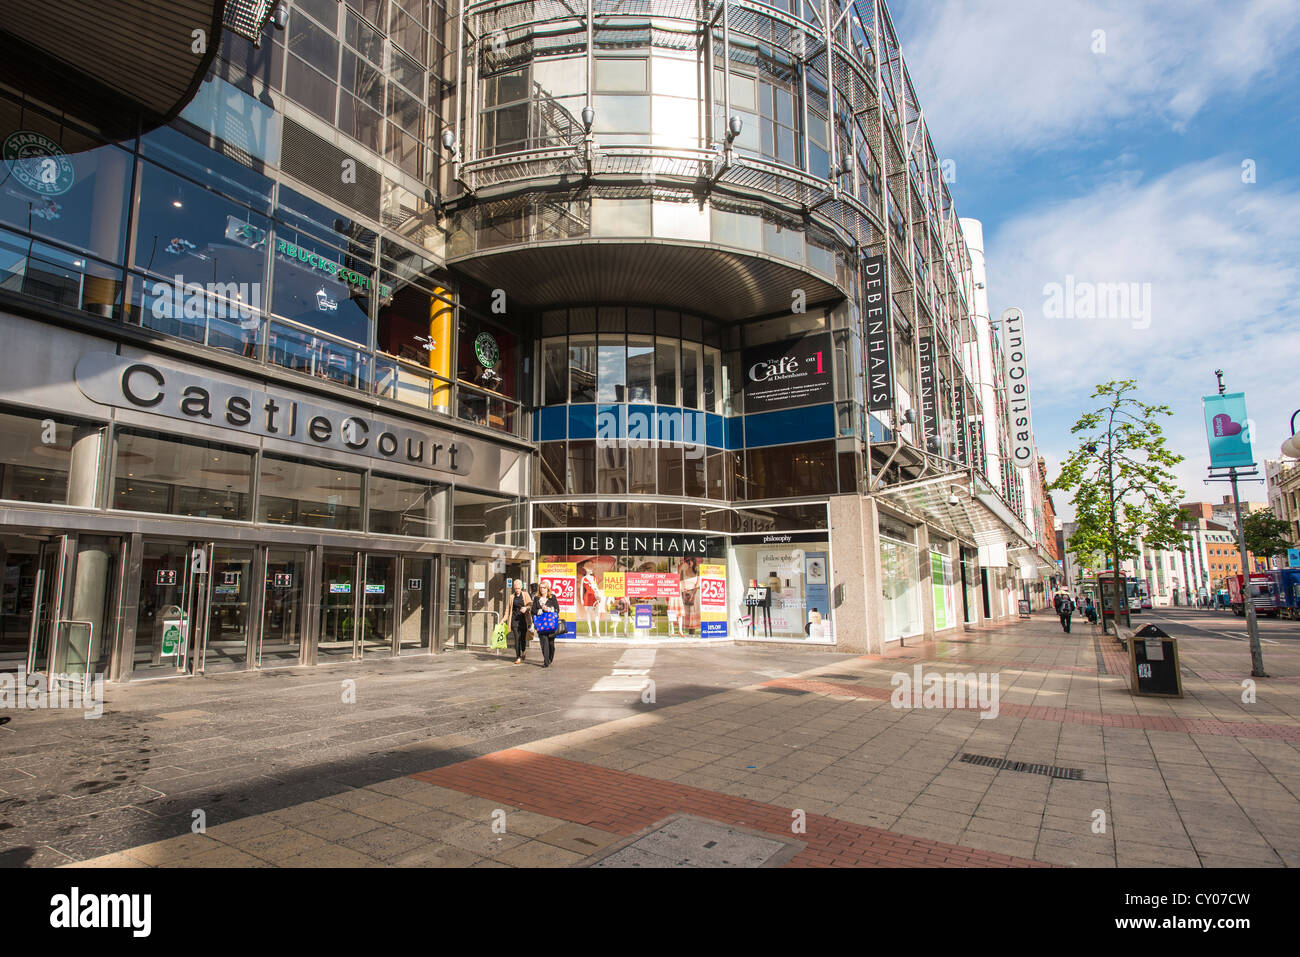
[
  {"x": 699, "y": 278},
  {"x": 111, "y": 63},
  {"x": 980, "y": 520}
]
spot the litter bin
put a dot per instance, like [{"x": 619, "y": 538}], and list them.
[{"x": 1153, "y": 660}]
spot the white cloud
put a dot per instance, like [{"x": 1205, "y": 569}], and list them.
[
  {"x": 1223, "y": 262},
  {"x": 995, "y": 76}
]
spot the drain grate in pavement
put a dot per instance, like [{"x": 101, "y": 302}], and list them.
[
  {"x": 786, "y": 690},
  {"x": 840, "y": 677},
  {"x": 1005, "y": 764},
  {"x": 686, "y": 841}
]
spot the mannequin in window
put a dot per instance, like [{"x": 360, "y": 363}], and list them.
[{"x": 592, "y": 599}]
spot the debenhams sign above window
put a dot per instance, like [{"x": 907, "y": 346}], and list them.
[{"x": 148, "y": 386}]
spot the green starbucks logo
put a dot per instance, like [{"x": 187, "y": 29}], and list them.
[
  {"x": 38, "y": 163},
  {"x": 485, "y": 347}
]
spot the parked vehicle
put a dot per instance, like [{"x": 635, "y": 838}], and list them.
[
  {"x": 1265, "y": 594},
  {"x": 1288, "y": 587}
]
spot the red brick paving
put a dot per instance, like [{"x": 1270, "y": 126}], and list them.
[
  {"x": 624, "y": 803},
  {"x": 1232, "y": 729}
]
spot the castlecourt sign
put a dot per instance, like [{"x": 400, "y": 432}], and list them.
[{"x": 149, "y": 386}]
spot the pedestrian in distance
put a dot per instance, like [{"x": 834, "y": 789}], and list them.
[
  {"x": 521, "y": 606},
  {"x": 545, "y": 602},
  {"x": 1065, "y": 609},
  {"x": 1090, "y": 610}
]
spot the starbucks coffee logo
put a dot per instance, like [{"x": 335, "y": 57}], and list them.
[
  {"x": 38, "y": 163},
  {"x": 485, "y": 347}
]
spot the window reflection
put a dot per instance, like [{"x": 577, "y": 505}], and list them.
[{"x": 153, "y": 473}]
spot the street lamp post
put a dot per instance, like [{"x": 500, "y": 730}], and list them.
[
  {"x": 1248, "y": 604},
  {"x": 1121, "y": 597}
]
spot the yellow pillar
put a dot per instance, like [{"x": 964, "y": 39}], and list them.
[{"x": 440, "y": 357}]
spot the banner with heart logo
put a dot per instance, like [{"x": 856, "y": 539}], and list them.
[{"x": 1227, "y": 430}]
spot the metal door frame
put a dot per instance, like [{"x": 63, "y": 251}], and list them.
[{"x": 64, "y": 543}]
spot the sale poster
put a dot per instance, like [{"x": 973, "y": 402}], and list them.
[
  {"x": 614, "y": 585},
  {"x": 652, "y": 585},
  {"x": 562, "y": 579},
  {"x": 713, "y": 601}
]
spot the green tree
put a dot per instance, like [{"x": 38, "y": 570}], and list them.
[
  {"x": 1266, "y": 534},
  {"x": 1121, "y": 477}
]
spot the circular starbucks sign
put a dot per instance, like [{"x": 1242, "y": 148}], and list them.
[
  {"x": 485, "y": 347},
  {"x": 38, "y": 163}
]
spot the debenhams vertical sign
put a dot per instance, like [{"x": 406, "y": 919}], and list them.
[{"x": 149, "y": 386}]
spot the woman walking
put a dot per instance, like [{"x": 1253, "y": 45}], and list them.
[
  {"x": 546, "y": 603},
  {"x": 521, "y": 606}
]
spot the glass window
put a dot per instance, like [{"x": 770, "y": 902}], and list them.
[
  {"x": 188, "y": 477},
  {"x": 31, "y": 469},
  {"x": 555, "y": 385},
  {"x": 487, "y": 519},
  {"x": 551, "y": 466},
  {"x": 209, "y": 255},
  {"x": 900, "y": 577},
  {"x": 621, "y": 114},
  {"x": 620, "y": 75},
  {"x": 89, "y": 213},
  {"x": 322, "y": 286},
  {"x": 676, "y": 77},
  {"x": 251, "y": 127},
  {"x": 582, "y": 468},
  {"x": 401, "y": 506},
  {"x": 486, "y": 356},
  {"x": 611, "y": 468},
  {"x": 311, "y": 88},
  {"x": 640, "y": 368},
  {"x": 693, "y": 468},
  {"x": 692, "y": 358},
  {"x": 582, "y": 368},
  {"x": 641, "y": 468},
  {"x": 666, "y": 371},
  {"x": 318, "y": 496},
  {"x": 621, "y": 217},
  {"x": 670, "y": 470},
  {"x": 56, "y": 275},
  {"x": 314, "y": 43},
  {"x": 798, "y": 581},
  {"x": 788, "y": 470},
  {"x": 611, "y": 369}
]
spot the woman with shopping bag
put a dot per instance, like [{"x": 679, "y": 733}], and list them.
[
  {"x": 546, "y": 619},
  {"x": 520, "y": 607}
]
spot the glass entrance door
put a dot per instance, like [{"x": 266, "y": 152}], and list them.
[
  {"x": 419, "y": 605},
  {"x": 457, "y": 635},
  {"x": 227, "y": 632},
  {"x": 47, "y": 593},
  {"x": 339, "y": 604},
  {"x": 378, "y": 606},
  {"x": 174, "y": 580},
  {"x": 282, "y": 608},
  {"x": 20, "y": 567}
]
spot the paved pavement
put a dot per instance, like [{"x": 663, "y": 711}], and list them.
[{"x": 716, "y": 756}]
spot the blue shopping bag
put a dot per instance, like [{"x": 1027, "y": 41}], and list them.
[{"x": 546, "y": 622}]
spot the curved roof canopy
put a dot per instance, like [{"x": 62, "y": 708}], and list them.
[{"x": 112, "y": 64}]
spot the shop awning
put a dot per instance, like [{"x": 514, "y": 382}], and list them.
[{"x": 980, "y": 519}]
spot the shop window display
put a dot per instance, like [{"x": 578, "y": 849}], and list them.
[{"x": 796, "y": 576}]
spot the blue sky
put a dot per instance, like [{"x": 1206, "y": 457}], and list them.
[{"x": 1116, "y": 157}]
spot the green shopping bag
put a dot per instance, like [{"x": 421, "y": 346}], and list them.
[{"x": 499, "y": 635}]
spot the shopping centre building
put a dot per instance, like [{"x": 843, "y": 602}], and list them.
[{"x": 315, "y": 338}]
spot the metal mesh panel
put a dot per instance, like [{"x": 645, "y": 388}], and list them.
[{"x": 321, "y": 165}]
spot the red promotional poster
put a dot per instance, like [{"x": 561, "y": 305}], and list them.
[{"x": 653, "y": 585}]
